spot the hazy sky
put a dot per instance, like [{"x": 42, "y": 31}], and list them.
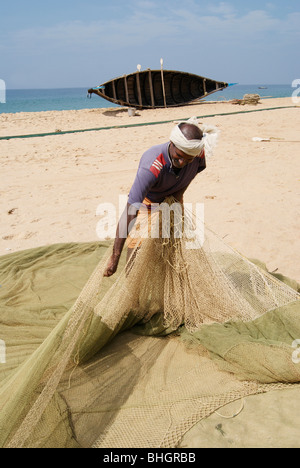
[{"x": 72, "y": 43}]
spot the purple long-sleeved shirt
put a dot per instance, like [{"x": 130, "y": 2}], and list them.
[{"x": 156, "y": 179}]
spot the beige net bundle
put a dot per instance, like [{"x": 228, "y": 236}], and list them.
[
  {"x": 205, "y": 281},
  {"x": 80, "y": 388},
  {"x": 247, "y": 99}
]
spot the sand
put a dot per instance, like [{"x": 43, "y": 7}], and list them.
[
  {"x": 270, "y": 420},
  {"x": 51, "y": 188}
]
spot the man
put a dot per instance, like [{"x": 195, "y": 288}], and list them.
[{"x": 164, "y": 170}]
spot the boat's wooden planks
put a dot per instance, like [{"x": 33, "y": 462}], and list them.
[{"x": 157, "y": 88}]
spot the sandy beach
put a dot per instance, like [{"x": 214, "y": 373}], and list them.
[{"x": 51, "y": 186}]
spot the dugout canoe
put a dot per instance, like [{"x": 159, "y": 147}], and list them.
[{"x": 150, "y": 89}]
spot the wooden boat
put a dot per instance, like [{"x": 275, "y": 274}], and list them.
[{"x": 151, "y": 89}]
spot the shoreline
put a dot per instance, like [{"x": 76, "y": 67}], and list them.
[
  {"x": 47, "y": 121},
  {"x": 52, "y": 185}
]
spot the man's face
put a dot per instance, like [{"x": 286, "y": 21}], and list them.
[{"x": 179, "y": 158}]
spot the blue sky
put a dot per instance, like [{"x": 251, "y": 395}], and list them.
[{"x": 72, "y": 43}]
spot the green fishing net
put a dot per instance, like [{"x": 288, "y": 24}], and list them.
[{"x": 137, "y": 359}]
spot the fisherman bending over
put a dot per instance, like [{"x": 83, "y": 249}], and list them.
[{"x": 164, "y": 170}]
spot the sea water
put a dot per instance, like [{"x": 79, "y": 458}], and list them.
[{"x": 39, "y": 100}]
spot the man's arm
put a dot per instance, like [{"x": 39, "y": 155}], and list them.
[{"x": 127, "y": 218}]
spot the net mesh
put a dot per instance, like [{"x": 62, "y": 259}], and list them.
[{"x": 81, "y": 388}]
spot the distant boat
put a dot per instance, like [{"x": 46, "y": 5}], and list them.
[
  {"x": 152, "y": 89},
  {"x": 262, "y": 87}
]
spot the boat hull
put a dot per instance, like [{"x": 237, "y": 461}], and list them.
[{"x": 157, "y": 89}]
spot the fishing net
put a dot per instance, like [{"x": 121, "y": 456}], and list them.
[{"x": 185, "y": 327}]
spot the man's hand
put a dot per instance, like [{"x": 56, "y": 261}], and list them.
[
  {"x": 121, "y": 234},
  {"x": 112, "y": 265}
]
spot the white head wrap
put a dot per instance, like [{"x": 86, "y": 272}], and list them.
[{"x": 194, "y": 147}]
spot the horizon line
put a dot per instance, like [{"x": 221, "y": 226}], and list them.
[{"x": 86, "y": 87}]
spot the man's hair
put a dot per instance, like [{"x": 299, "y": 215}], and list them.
[{"x": 190, "y": 131}]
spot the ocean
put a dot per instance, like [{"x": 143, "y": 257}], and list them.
[{"x": 39, "y": 100}]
